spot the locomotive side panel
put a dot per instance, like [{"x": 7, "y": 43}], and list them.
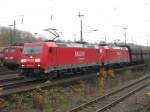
[
  {"x": 68, "y": 58},
  {"x": 77, "y": 56}
]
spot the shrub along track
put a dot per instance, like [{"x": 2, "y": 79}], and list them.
[{"x": 15, "y": 83}]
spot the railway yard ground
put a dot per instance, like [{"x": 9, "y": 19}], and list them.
[{"x": 65, "y": 97}]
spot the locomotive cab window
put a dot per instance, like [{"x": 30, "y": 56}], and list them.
[
  {"x": 50, "y": 50},
  {"x": 32, "y": 49}
]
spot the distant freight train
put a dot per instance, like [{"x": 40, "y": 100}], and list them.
[{"x": 53, "y": 57}]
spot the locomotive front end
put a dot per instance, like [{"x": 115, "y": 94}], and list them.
[{"x": 31, "y": 59}]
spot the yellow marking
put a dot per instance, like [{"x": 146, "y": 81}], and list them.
[
  {"x": 102, "y": 73},
  {"x": 110, "y": 72},
  {"x": 148, "y": 94},
  {"x": 2, "y": 103},
  {"x": 102, "y": 77}
]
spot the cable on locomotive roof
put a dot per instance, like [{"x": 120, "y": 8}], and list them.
[{"x": 53, "y": 32}]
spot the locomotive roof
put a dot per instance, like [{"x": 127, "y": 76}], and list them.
[
  {"x": 60, "y": 44},
  {"x": 76, "y": 45}
]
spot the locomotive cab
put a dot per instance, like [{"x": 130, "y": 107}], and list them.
[{"x": 31, "y": 56}]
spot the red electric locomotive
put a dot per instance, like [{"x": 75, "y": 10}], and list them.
[
  {"x": 114, "y": 55},
  {"x": 48, "y": 57},
  {"x": 12, "y": 56},
  {"x": 1, "y": 55}
]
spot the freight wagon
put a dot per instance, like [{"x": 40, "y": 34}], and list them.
[
  {"x": 138, "y": 54},
  {"x": 114, "y": 55}
]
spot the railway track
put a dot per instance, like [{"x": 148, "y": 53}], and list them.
[
  {"x": 131, "y": 67},
  {"x": 30, "y": 84},
  {"x": 4, "y": 71},
  {"x": 14, "y": 83},
  {"x": 10, "y": 77},
  {"x": 20, "y": 82},
  {"x": 9, "y": 72},
  {"x": 109, "y": 100}
]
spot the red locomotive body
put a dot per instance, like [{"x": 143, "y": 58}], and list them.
[
  {"x": 114, "y": 55},
  {"x": 12, "y": 55},
  {"x": 50, "y": 56}
]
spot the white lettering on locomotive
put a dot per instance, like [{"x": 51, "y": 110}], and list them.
[
  {"x": 119, "y": 53},
  {"x": 79, "y": 53}
]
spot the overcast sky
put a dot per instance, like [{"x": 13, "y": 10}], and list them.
[{"x": 107, "y": 16}]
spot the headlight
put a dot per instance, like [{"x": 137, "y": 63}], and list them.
[
  {"x": 37, "y": 60},
  {"x": 23, "y": 60},
  {"x": 31, "y": 56}
]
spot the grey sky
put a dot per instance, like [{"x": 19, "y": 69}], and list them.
[{"x": 105, "y": 15}]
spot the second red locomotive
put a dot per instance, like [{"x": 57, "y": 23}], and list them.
[
  {"x": 114, "y": 55},
  {"x": 1, "y": 55},
  {"x": 12, "y": 56}
]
